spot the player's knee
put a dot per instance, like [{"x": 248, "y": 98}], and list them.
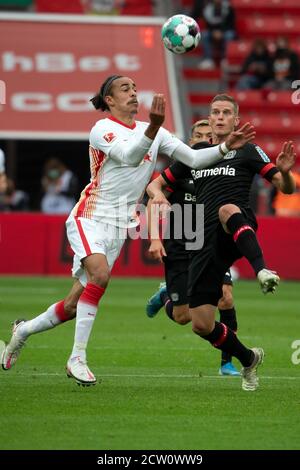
[
  {"x": 70, "y": 307},
  {"x": 181, "y": 315},
  {"x": 226, "y": 211},
  {"x": 202, "y": 327},
  {"x": 100, "y": 277}
]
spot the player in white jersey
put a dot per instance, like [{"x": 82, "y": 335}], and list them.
[{"x": 123, "y": 153}]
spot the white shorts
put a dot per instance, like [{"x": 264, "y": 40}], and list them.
[{"x": 87, "y": 236}]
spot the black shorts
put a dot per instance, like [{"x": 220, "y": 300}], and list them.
[
  {"x": 176, "y": 275},
  {"x": 210, "y": 264}
]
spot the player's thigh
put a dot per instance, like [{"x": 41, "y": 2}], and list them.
[{"x": 91, "y": 237}]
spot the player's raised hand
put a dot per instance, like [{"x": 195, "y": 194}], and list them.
[
  {"x": 157, "y": 110},
  {"x": 240, "y": 137},
  {"x": 286, "y": 158},
  {"x": 156, "y": 115}
]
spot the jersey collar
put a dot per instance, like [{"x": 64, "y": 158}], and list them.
[{"x": 112, "y": 118}]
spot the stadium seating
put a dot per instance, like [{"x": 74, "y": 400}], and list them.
[
  {"x": 266, "y": 6},
  {"x": 137, "y": 7},
  {"x": 272, "y": 146},
  {"x": 128, "y": 7},
  {"x": 239, "y": 49},
  {"x": 269, "y": 26},
  {"x": 267, "y": 123}
]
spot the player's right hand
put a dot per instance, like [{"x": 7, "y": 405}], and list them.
[{"x": 157, "y": 110}]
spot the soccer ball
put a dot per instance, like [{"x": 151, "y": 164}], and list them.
[{"x": 180, "y": 33}]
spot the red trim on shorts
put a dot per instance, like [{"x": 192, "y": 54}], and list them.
[
  {"x": 170, "y": 175},
  {"x": 83, "y": 237},
  {"x": 241, "y": 230},
  {"x": 266, "y": 168},
  {"x": 92, "y": 294},
  {"x": 122, "y": 123},
  {"x": 223, "y": 336},
  {"x": 60, "y": 311}
]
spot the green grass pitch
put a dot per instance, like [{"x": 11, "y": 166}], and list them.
[{"x": 159, "y": 387}]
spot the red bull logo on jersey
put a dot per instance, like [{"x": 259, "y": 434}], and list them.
[
  {"x": 223, "y": 171},
  {"x": 109, "y": 137}
]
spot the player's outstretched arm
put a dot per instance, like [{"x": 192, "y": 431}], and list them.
[
  {"x": 203, "y": 158},
  {"x": 284, "y": 180}
]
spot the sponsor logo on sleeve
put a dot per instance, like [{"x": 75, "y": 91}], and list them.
[
  {"x": 109, "y": 137},
  {"x": 263, "y": 155}
]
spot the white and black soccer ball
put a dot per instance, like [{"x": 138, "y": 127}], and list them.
[{"x": 180, "y": 34}]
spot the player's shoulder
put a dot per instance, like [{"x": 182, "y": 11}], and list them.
[{"x": 254, "y": 150}]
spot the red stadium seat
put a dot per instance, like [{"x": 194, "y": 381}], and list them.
[
  {"x": 269, "y": 26},
  {"x": 277, "y": 124},
  {"x": 137, "y": 7},
  {"x": 262, "y": 99},
  {"x": 255, "y": 100},
  {"x": 272, "y": 145},
  {"x": 237, "y": 51},
  {"x": 266, "y": 6},
  {"x": 59, "y": 6}
]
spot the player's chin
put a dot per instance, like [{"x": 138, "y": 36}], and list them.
[
  {"x": 134, "y": 109},
  {"x": 221, "y": 132}
]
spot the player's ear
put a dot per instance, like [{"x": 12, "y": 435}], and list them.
[
  {"x": 237, "y": 122},
  {"x": 108, "y": 100}
]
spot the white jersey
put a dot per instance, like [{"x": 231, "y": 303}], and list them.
[
  {"x": 2, "y": 160},
  {"x": 115, "y": 188}
]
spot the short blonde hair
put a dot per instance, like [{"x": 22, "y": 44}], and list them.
[
  {"x": 200, "y": 123},
  {"x": 224, "y": 97}
]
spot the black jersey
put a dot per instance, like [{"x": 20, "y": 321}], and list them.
[
  {"x": 228, "y": 181},
  {"x": 182, "y": 195}
]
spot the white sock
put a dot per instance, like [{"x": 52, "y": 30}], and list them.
[
  {"x": 44, "y": 321},
  {"x": 86, "y": 314}
]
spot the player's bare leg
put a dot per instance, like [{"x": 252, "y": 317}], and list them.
[
  {"x": 98, "y": 274},
  {"x": 244, "y": 236},
  {"x": 55, "y": 315}
]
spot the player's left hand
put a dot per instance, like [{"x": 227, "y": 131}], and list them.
[
  {"x": 240, "y": 137},
  {"x": 157, "y": 250},
  {"x": 286, "y": 158}
]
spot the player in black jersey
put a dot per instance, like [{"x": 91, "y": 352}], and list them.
[
  {"x": 173, "y": 293},
  {"x": 229, "y": 230}
]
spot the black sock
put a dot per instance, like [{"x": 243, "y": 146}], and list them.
[
  {"x": 228, "y": 317},
  {"x": 168, "y": 304},
  {"x": 246, "y": 241},
  {"x": 225, "y": 339}
]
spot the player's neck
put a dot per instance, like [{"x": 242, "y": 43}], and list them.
[
  {"x": 219, "y": 139},
  {"x": 126, "y": 118}
]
